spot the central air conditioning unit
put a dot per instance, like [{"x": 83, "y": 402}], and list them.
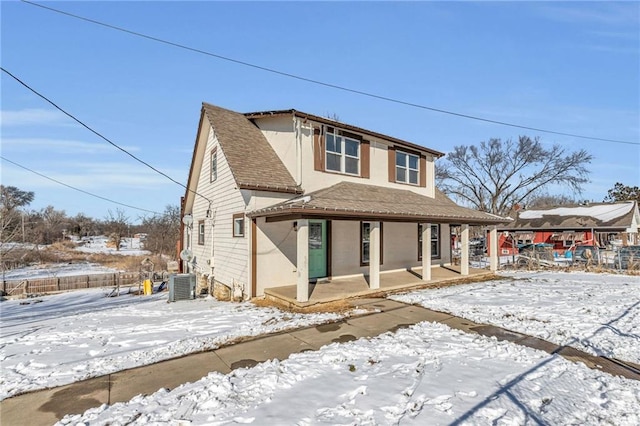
[{"x": 182, "y": 287}]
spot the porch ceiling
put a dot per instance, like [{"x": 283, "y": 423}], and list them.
[{"x": 353, "y": 201}]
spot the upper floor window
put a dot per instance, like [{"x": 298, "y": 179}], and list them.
[
  {"x": 201, "y": 232},
  {"x": 214, "y": 165},
  {"x": 407, "y": 167},
  {"x": 342, "y": 153}
]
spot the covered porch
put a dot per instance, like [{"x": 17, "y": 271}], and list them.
[
  {"x": 327, "y": 291},
  {"x": 338, "y": 231}
]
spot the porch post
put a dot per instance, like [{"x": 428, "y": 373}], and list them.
[
  {"x": 464, "y": 254},
  {"x": 374, "y": 256},
  {"x": 426, "y": 252},
  {"x": 302, "y": 263},
  {"x": 493, "y": 249}
]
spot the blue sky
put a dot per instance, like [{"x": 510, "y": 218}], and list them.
[{"x": 571, "y": 67}]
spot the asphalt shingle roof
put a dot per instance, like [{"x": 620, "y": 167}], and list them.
[
  {"x": 348, "y": 199},
  {"x": 253, "y": 162},
  {"x": 595, "y": 215}
]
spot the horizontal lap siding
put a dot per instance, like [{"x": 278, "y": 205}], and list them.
[{"x": 230, "y": 253}]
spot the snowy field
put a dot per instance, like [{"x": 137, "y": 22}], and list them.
[
  {"x": 128, "y": 246},
  {"x": 598, "y": 313},
  {"x": 426, "y": 374}
]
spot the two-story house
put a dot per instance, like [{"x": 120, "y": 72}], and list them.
[{"x": 281, "y": 198}]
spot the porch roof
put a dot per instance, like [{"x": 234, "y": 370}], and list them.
[{"x": 354, "y": 201}]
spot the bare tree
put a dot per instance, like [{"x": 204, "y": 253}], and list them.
[
  {"x": 116, "y": 225},
  {"x": 496, "y": 175},
  {"x": 548, "y": 200},
  {"x": 163, "y": 231}
]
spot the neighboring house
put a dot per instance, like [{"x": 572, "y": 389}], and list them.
[
  {"x": 600, "y": 224},
  {"x": 282, "y": 198}
]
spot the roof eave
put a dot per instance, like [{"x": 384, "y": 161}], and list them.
[{"x": 323, "y": 120}]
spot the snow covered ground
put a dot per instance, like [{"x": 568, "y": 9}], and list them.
[
  {"x": 128, "y": 246},
  {"x": 426, "y": 374},
  {"x": 598, "y": 313},
  {"x": 51, "y": 270},
  {"x": 59, "y": 339}
]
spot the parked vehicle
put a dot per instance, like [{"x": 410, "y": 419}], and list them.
[
  {"x": 584, "y": 253},
  {"x": 627, "y": 258}
]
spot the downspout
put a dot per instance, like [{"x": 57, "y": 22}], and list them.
[{"x": 297, "y": 125}]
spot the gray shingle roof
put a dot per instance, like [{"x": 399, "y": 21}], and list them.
[
  {"x": 595, "y": 215},
  {"x": 353, "y": 200},
  {"x": 253, "y": 162}
]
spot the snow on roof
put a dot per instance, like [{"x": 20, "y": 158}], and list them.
[{"x": 603, "y": 212}]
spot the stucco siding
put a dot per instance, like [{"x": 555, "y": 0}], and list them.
[{"x": 276, "y": 255}]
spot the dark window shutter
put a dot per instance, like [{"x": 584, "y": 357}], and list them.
[
  {"x": 318, "y": 150},
  {"x": 365, "y": 148},
  {"x": 423, "y": 171},
  {"x": 392, "y": 164}
]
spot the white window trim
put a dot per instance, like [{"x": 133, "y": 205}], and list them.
[
  {"x": 238, "y": 218},
  {"x": 343, "y": 154},
  {"x": 435, "y": 237},
  {"x": 407, "y": 169}
]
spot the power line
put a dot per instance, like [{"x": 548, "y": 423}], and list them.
[
  {"x": 325, "y": 84},
  {"x": 100, "y": 135},
  {"x": 77, "y": 189}
]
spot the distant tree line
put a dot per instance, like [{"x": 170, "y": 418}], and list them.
[{"x": 18, "y": 224}]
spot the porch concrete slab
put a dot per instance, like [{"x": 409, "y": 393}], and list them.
[
  {"x": 326, "y": 334},
  {"x": 167, "y": 374},
  {"x": 48, "y": 406},
  {"x": 252, "y": 352}
]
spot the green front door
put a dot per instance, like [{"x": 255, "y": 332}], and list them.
[{"x": 317, "y": 248}]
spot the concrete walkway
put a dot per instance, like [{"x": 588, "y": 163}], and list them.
[{"x": 47, "y": 406}]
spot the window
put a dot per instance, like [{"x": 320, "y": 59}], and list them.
[
  {"x": 238, "y": 225},
  {"x": 435, "y": 241},
  {"x": 407, "y": 167},
  {"x": 365, "y": 243},
  {"x": 201, "y": 232},
  {"x": 342, "y": 153},
  {"x": 214, "y": 165}
]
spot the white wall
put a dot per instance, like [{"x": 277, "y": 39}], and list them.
[
  {"x": 230, "y": 253},
  {"x": 276, "y": 255},
  {"x": 281, "y": 134}
]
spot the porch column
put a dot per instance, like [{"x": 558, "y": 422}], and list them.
[
  {"x": 464, "y": 254},
  {"x": 374, "y": 256},
  {"x": 302, "y": 263},
  {"x": 493, "y": 249},
  {"x": 426, "y": 252}
]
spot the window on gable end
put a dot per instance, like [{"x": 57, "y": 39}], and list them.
[{"x": 214, "y": 165}]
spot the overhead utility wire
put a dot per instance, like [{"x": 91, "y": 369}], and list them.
[
  {"x": 100, "y": 135},
  {"x": 325, "y": 84},
  {"x": 74, "y": 188}
]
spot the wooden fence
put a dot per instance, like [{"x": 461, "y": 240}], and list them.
[{"x": 76, "y": 282}]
